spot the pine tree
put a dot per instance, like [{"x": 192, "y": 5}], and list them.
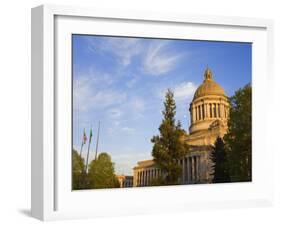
[
  {"x": 169, "y": 146},
  {"x": 238, "y": 140},
  {"x": 220, "y": 164}
]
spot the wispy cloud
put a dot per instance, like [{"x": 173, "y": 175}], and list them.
[
  {"x": 156, "y": 57},
  {"x": 124, "y": 48},
  {"x": 87, "y": 95},
  {"x": 132, "y": 81},
  {"x": 158, "y": 60},
  {"x": 184, "y": 91},
  {"x": 138, "y": 104},
  {"x": 114, "y": 113},
  {"x": 128, "y": 130},
  {"x": 124, "y": 163}
]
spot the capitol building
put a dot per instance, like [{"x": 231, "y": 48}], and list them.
[{"x": 209, "y": 112}]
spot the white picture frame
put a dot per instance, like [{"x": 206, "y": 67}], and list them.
[{"x": 52, "y": 197}]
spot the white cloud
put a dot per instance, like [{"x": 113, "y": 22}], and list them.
[
  {"x": 138, "y": 105},
  {"x": 184, "y": 91},
  {"x": 107, "y": 98},
  {"x": 124, "y": 163},
  {"x": 87, "y": 95},
  {"x": 114, "y": 113},
  {"x": 130, "y": 83},
  {"x": 158, "y": 60},
  {"x": 128, "y": 130},
  {"x": 155, "y": 56},
  {"x": 124, "y": 48}
]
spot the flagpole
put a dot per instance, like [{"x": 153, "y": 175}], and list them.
[
  {"x": 84, "y": 140},
  {"x": 81, "y": 149},
  {"x": 97, "y": 144},
  {"x": 90, "y": 139}
]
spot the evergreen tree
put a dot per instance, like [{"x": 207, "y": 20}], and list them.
[
  {"x": 77, "y": 170},
  {"x": 238, "y": 140},
  {"x": 219, "y": 158},
  {"x": 169, "y": 146},
  {"x": 101, "y": 173}
]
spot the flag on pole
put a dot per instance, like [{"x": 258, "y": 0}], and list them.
[
  {"x": 91, "y": 134},
  {"x": 84, "y": 137},
  {"x": 87, "y": 160}
]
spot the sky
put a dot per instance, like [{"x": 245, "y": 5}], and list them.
[{"x": 121, "y": 82}]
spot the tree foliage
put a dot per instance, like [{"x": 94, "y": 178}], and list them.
[
  {"x": 101, "y": 173},
  {"x": 78, "y": 167},
  {"x": 220, "y": 166},
  {"x": 169, "y": 147},
  {"x": 238, "y": 139}
]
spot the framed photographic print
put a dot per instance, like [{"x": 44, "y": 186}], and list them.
[{"x": 143, "y": 113}]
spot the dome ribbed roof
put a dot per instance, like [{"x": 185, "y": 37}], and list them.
[{"x": 209, "y": 86}]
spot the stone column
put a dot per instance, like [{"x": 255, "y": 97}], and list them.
[
  {"x": 198, "y": 167},
  {"x": 215, "y": 110},
  {"x": 206, "y": 110},
  {"x": 193, "y": 113},
  {"x": 187, "y": 170},
  {"x": 146, "y": 177},
  {"x": 195, "y": 168},
  {"x": 183, "y": 170},
  {"x": 143, "y": 178},
  {"x": 192, "y": 168}
]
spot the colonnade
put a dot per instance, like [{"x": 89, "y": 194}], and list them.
[
  {"x": 191, "y": 171},
  {"x": 203, "y": 110},
  {"x": 145, "y": 176}
]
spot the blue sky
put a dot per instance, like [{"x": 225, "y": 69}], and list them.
[{"x": 122, "y": 82}]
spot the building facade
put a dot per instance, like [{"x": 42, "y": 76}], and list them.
[
  {"x": 209, "y": 111},
  {"x": 125, "y": 181}
]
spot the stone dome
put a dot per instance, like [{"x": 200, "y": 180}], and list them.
[{"x": 209, "y": 86}]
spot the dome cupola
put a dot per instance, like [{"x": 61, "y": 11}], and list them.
[
  {"x": 209, "y": 104},
  {"x": 208, "y": 87}
]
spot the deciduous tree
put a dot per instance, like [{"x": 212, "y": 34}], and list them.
[
  {"x": 101, "y": 173},
  {"x": 78, "y": 167}
]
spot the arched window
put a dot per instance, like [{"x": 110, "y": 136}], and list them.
[
  {"x": 199, "y": 109},
  {"x": 219, "y": 110},
  {"x": 211, "y": 111},
  {"x": 203, "y": 111}
]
